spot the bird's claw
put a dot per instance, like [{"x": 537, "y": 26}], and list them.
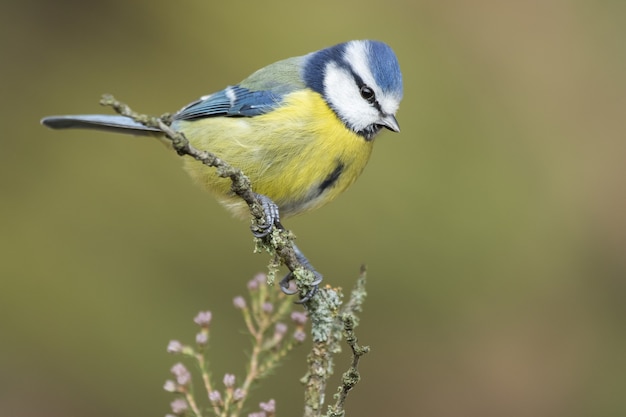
[
  {"x": 272, "y": 217},
  {"x": 284, "y": 283},
  {"x": 285, "y": 287}
]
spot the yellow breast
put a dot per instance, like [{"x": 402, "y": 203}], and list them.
[{"x": 299, "y": 155}]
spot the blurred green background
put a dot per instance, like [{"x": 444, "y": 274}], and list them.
[{"x": 493, "y": 225}]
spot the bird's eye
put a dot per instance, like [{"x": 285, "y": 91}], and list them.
[{"x": 368, "y": 94}]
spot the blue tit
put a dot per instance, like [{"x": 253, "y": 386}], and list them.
[{"x": 302, "y": 129}]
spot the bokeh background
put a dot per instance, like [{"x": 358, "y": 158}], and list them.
[{"x": 493, "y": 225}]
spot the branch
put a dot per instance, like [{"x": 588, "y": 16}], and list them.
[
  {"x": 240, "y": 183},
  {"x": 323, "y": 308}
]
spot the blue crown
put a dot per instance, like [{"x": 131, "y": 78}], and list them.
[{"x": 382, "y": 62}]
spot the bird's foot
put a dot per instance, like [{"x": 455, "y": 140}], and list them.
[
  {"x": 313, "y": 287},
  {"x": 272, "y": 217},
  {"x": 272, "y": 220}
]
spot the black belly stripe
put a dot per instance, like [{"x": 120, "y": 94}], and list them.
[{"x": 331, "y": 179}]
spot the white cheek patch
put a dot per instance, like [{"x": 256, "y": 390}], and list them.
[{"x": 343, "y": 95}]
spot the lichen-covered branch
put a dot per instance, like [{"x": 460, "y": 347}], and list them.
[
  {"x": 330, "y": 321},
  {"x": 240, "y": 183}
]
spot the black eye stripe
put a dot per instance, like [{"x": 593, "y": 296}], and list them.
[
  {"x": 361, "y": 85},
  {"x": 359, "y": 81}
]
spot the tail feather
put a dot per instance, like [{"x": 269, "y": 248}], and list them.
[{"x": 111, "y": 123}]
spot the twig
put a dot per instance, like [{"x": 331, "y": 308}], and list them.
[
  {"x": 279, "y": 240},
  {"x": 350, "y": 320},
  {"x": 240, "y": 183},
  {"x": 323, "y": 309}
]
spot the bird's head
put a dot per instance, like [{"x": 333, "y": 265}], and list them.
[{"x": 361, "y": 81}]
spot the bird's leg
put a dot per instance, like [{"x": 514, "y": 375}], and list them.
[
  {"x": 284, "y": 283},
  {"x": 272, "y": 219}
]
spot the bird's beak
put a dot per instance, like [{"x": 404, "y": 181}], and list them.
[{"x": 390, "y": 122}]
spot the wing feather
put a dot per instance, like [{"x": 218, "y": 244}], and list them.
[
  {"x": 260, "y": 93},
  {"x": 233, "y": 101}
]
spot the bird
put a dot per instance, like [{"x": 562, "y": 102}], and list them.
[{"x": 302, "y": 129}]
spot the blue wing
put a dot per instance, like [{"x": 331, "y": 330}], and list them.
[{"x": 234, "y": 101}]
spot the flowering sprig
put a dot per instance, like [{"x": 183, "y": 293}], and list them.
[{"x": 266, "y": 315}]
